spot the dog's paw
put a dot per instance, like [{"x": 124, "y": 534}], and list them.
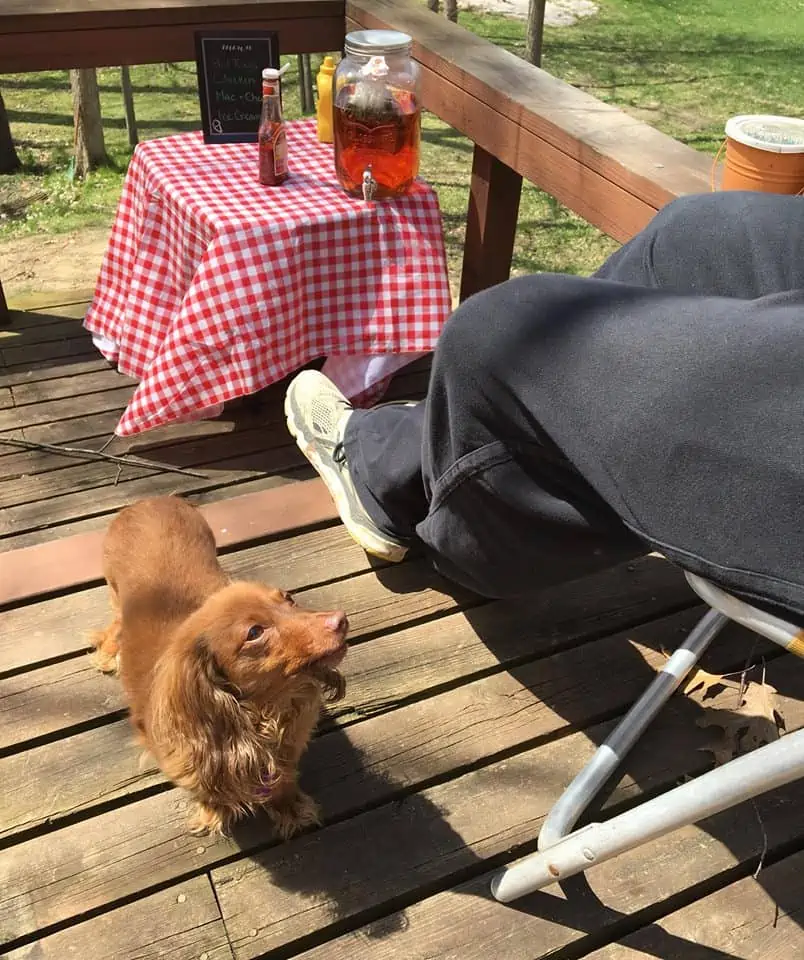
[
  {"x": 206, "y": 819},
  {"x": 105, "y": 662},
  {"x": 294, "y": 815},
  {"x": 106, "y": 657}
]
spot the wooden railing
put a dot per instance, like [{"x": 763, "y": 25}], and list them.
[{"x": 611, "y": 169}]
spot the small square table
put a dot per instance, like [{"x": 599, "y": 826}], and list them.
[{"x": 214, "y": 286}]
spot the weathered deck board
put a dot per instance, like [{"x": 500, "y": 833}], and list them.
[
  {"x": 393, "y": 669},
  {"x": 182, "y": 922},
  {"x": 124, "y": 852},
  {"x": 448, "y": 923},
  {"x": 754, "y": 919},
  {"x": 452, "y": 828},
  {"x": 43, "y": 532},
  {"x": 59, "y": 627},
  {"x": 56, "y": 401},
  {"x": 28, "y": 710},
  {"x": 462, "y": 722},
  {"x": 65, "y": 408},
  {"x": 202, "y": 455},
  {"x": 58, "y": 388},
  {"x": 24, "y": 375},
  {"x": 404, "y": 592}
]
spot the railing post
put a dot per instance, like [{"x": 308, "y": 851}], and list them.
[
  {"x": 5, "y": 316},
  {"x": 490, "y": 224}
]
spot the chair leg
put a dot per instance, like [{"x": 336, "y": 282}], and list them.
[
  {"x": 587, "y": 784},
  {"x": 757, "y": 772}
]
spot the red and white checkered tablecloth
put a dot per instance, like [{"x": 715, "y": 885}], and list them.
[{"x": 214, "y": 286}]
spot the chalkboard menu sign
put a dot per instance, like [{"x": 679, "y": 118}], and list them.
[{"x": 230, "y": 82}]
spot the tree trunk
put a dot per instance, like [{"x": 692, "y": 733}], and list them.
[
  {"x": 305, "y": 71},
  {"x": 90, "y": 150},
  {"x": 9, "y": 161},
  {"x": 451, "y": 10},
  {"x": 535, "y": 32},
  {"x": 128, "y": 106},
  {"x": 433, "y": 5}
]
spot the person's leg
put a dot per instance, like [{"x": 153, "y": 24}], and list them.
[
  {"x": 383, "y": 448},
  {"x": 733, "y": 243},
  {"x": 468, "y": 473},
  {"x": 500, "y": 501},
  {"x": 727, "y": 244},
  {"x": 507, "y": 511}
]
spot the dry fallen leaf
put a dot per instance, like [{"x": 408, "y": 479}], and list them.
[
  {"x": 752, "y": 722},
  {"x": 708, "y": 684},
  {"x": 744, "y": 714}
]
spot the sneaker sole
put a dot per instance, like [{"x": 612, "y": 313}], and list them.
[{"x": 364, "y": 537}]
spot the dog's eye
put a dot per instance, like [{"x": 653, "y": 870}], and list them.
[{"x": 255, "y": 633}]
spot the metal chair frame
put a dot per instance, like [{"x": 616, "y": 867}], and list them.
[{"x": 563, "y": 852}]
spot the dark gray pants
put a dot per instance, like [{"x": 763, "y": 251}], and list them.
[{"x": 473, "y": 475}]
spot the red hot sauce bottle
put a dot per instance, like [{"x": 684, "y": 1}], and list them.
[{"x": 273, "y": 145}]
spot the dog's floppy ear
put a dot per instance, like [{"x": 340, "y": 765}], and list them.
[
  {"x": 198, "y": 694},
  {"x": 210, "y": 676},
  {"x": 203, "y": 735}
]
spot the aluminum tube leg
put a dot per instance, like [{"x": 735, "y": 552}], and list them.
[
  {"x": 761, "y": 770},
  {"x": 586, "y": 785}
]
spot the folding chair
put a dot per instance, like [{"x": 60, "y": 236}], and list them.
[{"x": 563, "y": 853}]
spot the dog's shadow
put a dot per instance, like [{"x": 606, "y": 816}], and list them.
[
  {"x": 381, "y": 843},
  {"x": 389, "y": 841}
]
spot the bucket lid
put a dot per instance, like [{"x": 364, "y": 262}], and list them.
[
  {"x": 774, "y": 134},
  {"x": 372, "y": 43}
]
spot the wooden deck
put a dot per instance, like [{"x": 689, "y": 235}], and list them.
[
  {"x": 55, "y": 388},
  {"x": 463, "y": 721}
]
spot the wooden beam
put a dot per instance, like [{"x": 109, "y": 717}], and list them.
[
  {"x": 61, "y": 50},
  {"x": 491, "y": 223},
  {"x": 74, "y": 561},
  {"x": 21, "y": 16},
  {"x": 124, "y": 32}
]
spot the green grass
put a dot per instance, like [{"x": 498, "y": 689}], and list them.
[{"x": 684, "y": 66}]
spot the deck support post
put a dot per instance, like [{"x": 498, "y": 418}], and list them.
[{"x": 491, "y": 223}]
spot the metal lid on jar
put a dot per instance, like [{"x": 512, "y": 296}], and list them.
[{"x": 373, "y": 43}]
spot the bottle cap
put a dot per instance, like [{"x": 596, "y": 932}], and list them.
[
  {"x": 327, "y": 65},
  {"x": 271, "y": 73}
]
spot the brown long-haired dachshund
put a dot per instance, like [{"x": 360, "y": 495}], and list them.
[{"x": 224, "y": 680}]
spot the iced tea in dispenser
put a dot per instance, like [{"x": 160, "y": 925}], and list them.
[{"x": 377, "y": 115}]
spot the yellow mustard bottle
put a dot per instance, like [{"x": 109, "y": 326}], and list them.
[{"x": 324, "y": 107}]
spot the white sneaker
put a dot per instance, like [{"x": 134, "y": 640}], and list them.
[{"x": 317, "y": 414}]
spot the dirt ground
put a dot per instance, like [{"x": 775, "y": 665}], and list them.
[
  {"x": 557, "y": 13},
  {"x": 52, "y": 264}
]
